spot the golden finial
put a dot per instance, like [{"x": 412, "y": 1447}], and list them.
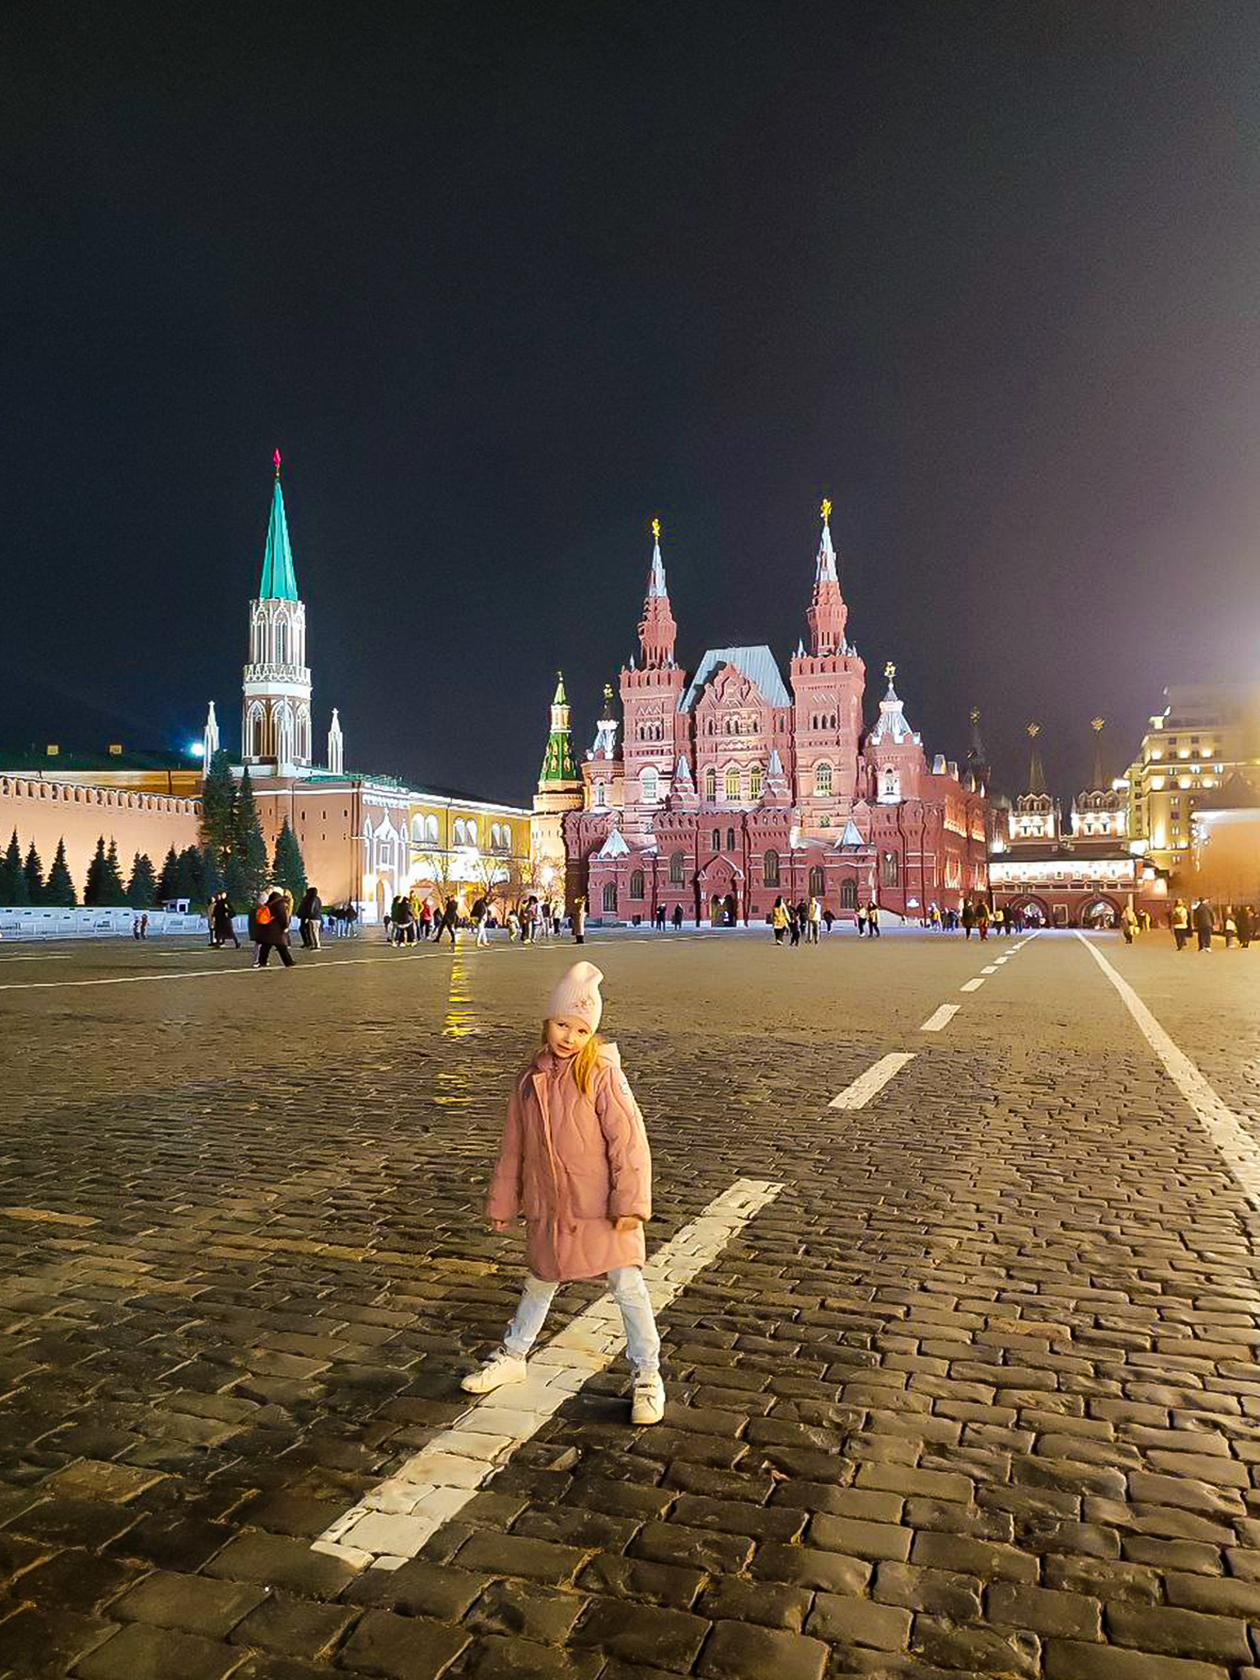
[
  {"x": 656, "y": 530},
  {"x": 1096, "y": 724},
  {"x": 975, "y": 714},
  {"x": 826, "y": 509},
  {"x": 1034, "y": 729},
  {"x": 890, "y": 670}
]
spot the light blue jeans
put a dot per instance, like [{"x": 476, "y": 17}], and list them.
[{"x": 626, "y": 1285}]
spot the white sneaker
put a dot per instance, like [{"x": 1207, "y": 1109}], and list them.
[
  {"x": 499, "y": 1369},
  {"x": 648, "y": 1402}
]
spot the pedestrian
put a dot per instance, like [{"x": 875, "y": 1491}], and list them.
[
  {"x": 135, "y": 927},
  {"x": 872, "y": 920},
  {"x": 678, "y": 918},
  {"x": 660, "y": 918},
  {"x": 794, "y": 924},
  {"x": 273, "y": 930},
  {"x": 1230, "y": 927},
  {"x": 1246, "y": 924},
  {"x": 425, "y": 919},
  {"x": 575, "y": 1163},
  {"x": 968, "y": 919},
  {"x": 221, "y": 921},
  {"x": 828, "y": 917},
  {"x": 513, "y": 925},
  {"x": 1128, "y": 923},
  {"x": 999, "y": 921},
  {"x": 579, "y": 921},
  {"x": 404, "y": 922},
  {"x": 480, "y": 918},
  {"x": 814, "y": 922},
  {"x": 861, "y": 920},
  {"x": 448, "y": 922},
  {"x": 779, "y": 920},
  {"x": 310, "y": 918},
  {"x": 1202, "y": 918},
  {"x": 982, "y": 918}
]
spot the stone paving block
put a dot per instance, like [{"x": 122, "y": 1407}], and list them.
[
  {"x": 1179, "y": 1633},
  {"x": 856, "y": 1621},
  {"x": 402, "y": 1647},
  {"x": 520, "y": 1557},
  {"x": 418, "y": 1588},
  {"x": 74, "y": 1522},
  {"x": 654, "y": 1583},
  {"x": 189, "y": 1603},
  {"x": 734, "y": 1600},
  {"x": 977, "y": 1650},
  {"x": 739, "y": 1652},
  {"x": 641, "y": 1633},
  {"x": 37, "y": 1643},
  {"x": 807, "y": 1566},
  {"x": 521, "y": 1610},
  {"x": 1217, "y": 1594},
  {"x": 98, "y": 1479},
  {"x": 1067, "y": 1659},
  {"x": 294, "y": 1627},
  {"x": 76, "y": 1581},
  {"x": 501, "y": 1658},
  {"x": 941, "y": 1592},
  {"x": 863, "y": 1539},
  {"x": 1053, "y": 1615},
  {"x": 965, "y": 1556},
  {"x": 274, "y": 1560},
  {"x": 697, "y": 1548},
  {"x": 140, "y": 1652}
]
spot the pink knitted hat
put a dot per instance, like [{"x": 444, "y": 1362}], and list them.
[{"x": 577, "y": 997}]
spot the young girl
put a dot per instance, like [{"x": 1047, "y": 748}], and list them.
[{"x": 575, "y": 1163}]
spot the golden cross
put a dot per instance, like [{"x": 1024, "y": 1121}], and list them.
[
  {"x": 975, "y": 714},
  {"x": 1096, "y": 724},
  {"x": 890, "y": 670},
  {"x": 1034, "y": 729},
  {"x": 826, "y": 508},
  {"x": 656, "y": 529}
]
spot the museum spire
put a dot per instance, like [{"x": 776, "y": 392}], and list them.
[
  {"x": 657, "y": 630},
  {"x": 827, "y": 612},
  {"x": 1036, "y": 775}
]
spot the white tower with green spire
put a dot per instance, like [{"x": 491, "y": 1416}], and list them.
[
  {"x": 559, "y": 790},
  {"x": 276, "y": 710}
]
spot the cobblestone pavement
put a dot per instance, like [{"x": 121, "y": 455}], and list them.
[{"x": 976, "y": 1393}]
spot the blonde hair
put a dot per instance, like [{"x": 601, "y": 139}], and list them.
[{"x": 584, "y": 1062}]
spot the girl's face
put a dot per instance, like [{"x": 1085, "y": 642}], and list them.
[{"x": 566, "y": 1037}]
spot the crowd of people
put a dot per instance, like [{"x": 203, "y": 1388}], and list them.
[
  {"x": 1235, "y": 923},
  {"x": 412, "y": 919}
]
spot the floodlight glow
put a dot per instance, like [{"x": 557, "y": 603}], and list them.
[{"x": 196, "y": 749}]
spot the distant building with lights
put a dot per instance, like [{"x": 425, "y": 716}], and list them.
[
  {"x": 1079, "y": 876},
  {"x": 731, "y": 786}
]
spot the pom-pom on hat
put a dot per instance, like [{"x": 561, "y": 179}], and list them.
[{"x": 577, "y": 997}]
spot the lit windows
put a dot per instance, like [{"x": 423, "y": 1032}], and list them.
[
  {"x": 755, "y": 781},
  {"x": 732, "y": 784},
  {"x": 649, "y": 785},
  {"x": 710, "y": 785},
  {"x": 822, "y": 781}
]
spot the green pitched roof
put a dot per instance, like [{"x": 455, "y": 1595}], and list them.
[{"x": 279, "y": 581}]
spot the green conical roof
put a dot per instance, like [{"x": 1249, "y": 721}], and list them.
[
  {"x": 279, "y": 581},
  {"x": 558, "y": 764}
]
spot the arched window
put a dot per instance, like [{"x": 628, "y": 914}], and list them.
[
  {"x": 816, "y": 882},
  {"x": 889, "y": 869},
  {"x": 890, "y": 787},
  {"x": 470, "y": 831},
  {"x": 610, "y": 897},
  {"x": 770, "y": 869},
  {"x": 730, "y": 839},
  {"x": 732, "y": 783},
  {"x": 676, "y": 861},
  {"x": 822, "y": 780},
  {"x": 848, "y": 895},
  {"x": 636, "y": 884},
  {"x": 601, "y": 796},
  {"x": 648, "y": 785},
  {"x": 431, "y": 829},
  {"x": 459, "y": 831},
  {"x": 756, "y": 778},
  {"x": 417, "y": 831},
  {"x": 710, "y": 785}
]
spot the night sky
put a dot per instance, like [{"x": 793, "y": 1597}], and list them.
[{"x": 503, "y": 282}]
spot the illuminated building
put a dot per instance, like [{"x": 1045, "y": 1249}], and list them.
[{"x": 731, "y": 788}]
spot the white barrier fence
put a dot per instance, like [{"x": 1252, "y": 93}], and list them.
[{"x": 97, "y": 924}]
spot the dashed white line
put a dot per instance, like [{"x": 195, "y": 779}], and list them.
[
  {"x": 872, "y": 1082},
  {"x": 392, "y": 1523},
  {"x": 941, "y": 1017},
  {"x": 971, "y": 985},
  {"x": 991, "y": 969},
  {"x": 1233, "y": 1141}
]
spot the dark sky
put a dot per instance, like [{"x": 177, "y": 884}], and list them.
[{"x": 502, "y": 282}]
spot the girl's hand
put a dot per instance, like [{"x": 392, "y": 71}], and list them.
[
  {"x": 627, "y": 1222},
  {"x": 502, "y": 1224}
]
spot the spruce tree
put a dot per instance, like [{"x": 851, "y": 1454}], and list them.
[
  {"x": 248, "y": 844},
  {"x": 59, "y": 889},
  {"x": 218, "y": 803},
  {"x": 288, "y": 868},
  {"x": 168, "y": 880},
  {"x": 190, "y": 875},
  {"x": 95, "y": 883},
  {"x": 15, "y": 892},
  {"x": 211, "y": 872},
  {"x": 33, "y": 869},
  {"x": 115, "y": 893},
  {"x": 142, "y": 887}
]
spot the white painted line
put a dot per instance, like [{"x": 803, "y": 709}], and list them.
[
  {"x": 1233, "y": 1141},
  {"x": 392, "y": 1523},
  {"x": 971, "y": 986},
  {"x": 188, "y": 974},
  {"x": 941, "y": 1017},
  {"x": 872, "y": 1082},
  {"x": 992, "y": 969}
]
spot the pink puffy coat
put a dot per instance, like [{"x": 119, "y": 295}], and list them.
[{"x": 571, "y": 1165}]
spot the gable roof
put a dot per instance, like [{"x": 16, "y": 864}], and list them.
[{"x": 758, "y": 664}]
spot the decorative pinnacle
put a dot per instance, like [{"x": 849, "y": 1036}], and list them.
[
  {"x": 825, "y": 510},
  {"x": 276, "y": 459},
  {"x": 890, "y": 670},
  {"x": 1034, "y": 729},
  {"x": 656, "y": 530},
  {"x": 975, "y": 714},
  {"x": 1096, "y": 724}
]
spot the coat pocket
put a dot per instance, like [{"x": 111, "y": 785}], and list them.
[{"x": 589, "y": 1192}]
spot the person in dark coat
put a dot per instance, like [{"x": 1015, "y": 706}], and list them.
[
  {"x": 272, "y": 925},
  {"x": 221, "y": 921},
  {"x": 310, "y": 914},
  {"x": 1246, "y": 920},
  {"x": 449, "y": 921},
  {"x": 1202, "y": 919},
  {"x": 678, "y": 918}
]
